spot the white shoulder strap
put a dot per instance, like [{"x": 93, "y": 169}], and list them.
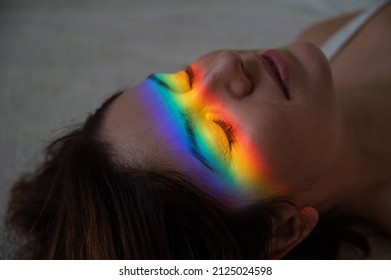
[{"x": 337, "y": 41}]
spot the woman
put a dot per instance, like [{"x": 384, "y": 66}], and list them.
[{"x": 236, "y": 156}]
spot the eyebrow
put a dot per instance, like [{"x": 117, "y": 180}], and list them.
[{"x": 160, "y": 82}]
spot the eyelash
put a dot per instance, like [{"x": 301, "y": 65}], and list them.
[
  {"x": 190, "y": 74},
  {"x": 228, "y": 129}
]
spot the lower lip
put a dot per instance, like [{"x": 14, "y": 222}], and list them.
[{"x": 282, "y": 68}]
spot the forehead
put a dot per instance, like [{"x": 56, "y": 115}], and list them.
[{"x": 129, "y": 127}]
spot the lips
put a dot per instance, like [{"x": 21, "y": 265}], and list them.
[{"x": 279, "y": 68}]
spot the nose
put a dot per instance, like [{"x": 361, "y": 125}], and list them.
[{"x": 225, "y": 74}]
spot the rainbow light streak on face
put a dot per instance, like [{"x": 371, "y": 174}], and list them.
[{"x": 179, "y": 112}]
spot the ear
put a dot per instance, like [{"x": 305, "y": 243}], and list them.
[{"x": 295, "y": 227}]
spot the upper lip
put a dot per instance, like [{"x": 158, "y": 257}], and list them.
[{"x": 277, "y": 68}]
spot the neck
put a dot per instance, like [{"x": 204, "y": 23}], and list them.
[{"x": 359, "y": 177}]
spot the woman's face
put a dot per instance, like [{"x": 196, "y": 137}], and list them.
[{"x": 243, "y": 124}]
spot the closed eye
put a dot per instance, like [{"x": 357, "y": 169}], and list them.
[{"x": 228, "y": 130}]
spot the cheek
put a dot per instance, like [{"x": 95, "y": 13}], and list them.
[{"x": 296, "y": 147}]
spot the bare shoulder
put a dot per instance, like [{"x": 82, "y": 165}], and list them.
[
  {"x": 366, "y": 57},
  {"x": 319, "y": 32}
]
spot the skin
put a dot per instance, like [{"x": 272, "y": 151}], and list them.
[{"x": 327, "y": 147}]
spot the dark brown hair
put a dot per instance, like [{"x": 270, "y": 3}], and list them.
[{"x": 79, "y": 204}]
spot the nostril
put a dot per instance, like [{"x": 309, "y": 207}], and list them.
[
  {"x": 241, "y": 85},
  {"x": 245, "y": 73}
]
